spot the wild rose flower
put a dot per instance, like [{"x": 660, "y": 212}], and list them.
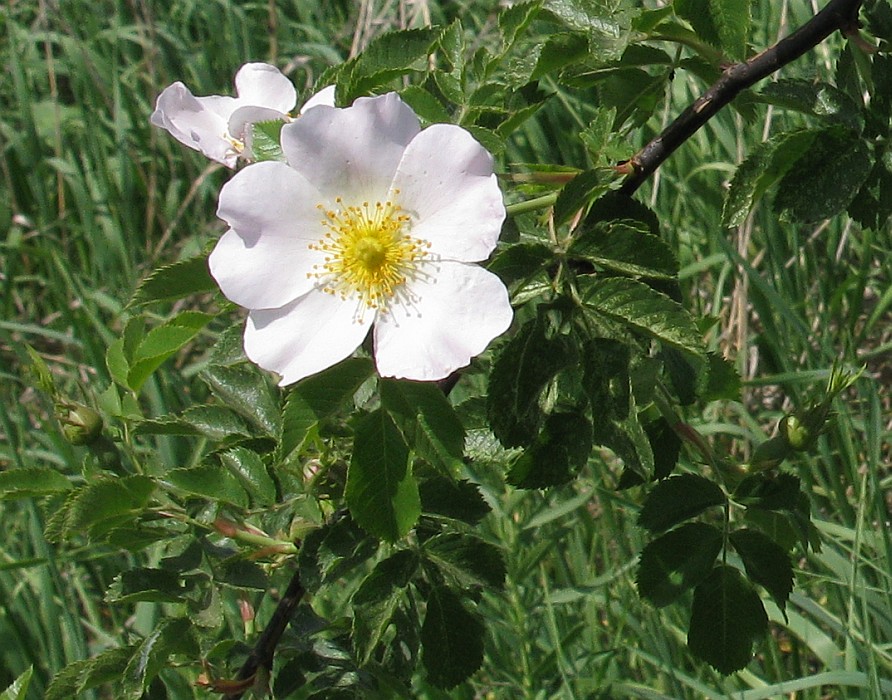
[
  {"x": 370, "y": 222},
  {"x": 217, "y": 126}
]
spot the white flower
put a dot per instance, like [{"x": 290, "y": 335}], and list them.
[
  {"x": 217, "y": 125},
  {"x": 371, "y": 220}
]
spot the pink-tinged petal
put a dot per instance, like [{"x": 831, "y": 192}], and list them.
[
  {"x": 459, "y": 309},
  {"x": 264, "y": 260},
  {"x": 305, "y": 336},
  {"x": 263, "y": 85},
  {"x": 324, "y": 98},
  {"x": 197, "y": 122},
  {"x": 446, "y": 182},
  {"x": 351, "y": 152}
]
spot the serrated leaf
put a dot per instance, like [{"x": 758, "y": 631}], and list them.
[
  {"x": 818, "y": 99},
  {"x": 253, "y": 474},
  {"x": 175, "y": 281},
  {"x": 581, "y": 191},
  {"x": 161, "y": 343},
  {"x": 32, "y": 481},
  {"x": 677, "y": 499},
  {"x": 826, "y": 178},
  {"x": 732, "y": 19},
  {"x": 521, "y": 371},
  {"x": 460, "y": 500},
  {"x": 766, "y": 563},
  {"x": 239, "y": 573},
  {"x": 377, "y": 600},
  {"x": 465, "y": 561},
  {"x": 518, "y": 264},
  {"x": 727, "y": 616},
  {"x": 767, "y": 163},
  {"x": 677, "y": 561},
  {"x": 245, "y": 390},
  {"x": 628, "y": 249},
  {"x": 769, "y": 491},
  {"x": 331, "y": 551},
  {"x": 107, "y": 501},
  {"x": 514, "y": 19},
  {"x": 213, "y": 422},
  {"x": 434, "y": 430},
  {"x": 629, "y": 442},
  {"x": 699, "y": 14},
  {"x": 451, "y": 639},
  {"x": 724, "y": 380},
  {"x": 18, "y": 689},
  {"x": 168, "y": 638},
  {"x": 145, "y": 584},
  {"x": 316, "y": 398},
  {"x": 264, "y": 141},
  {"x": 211, "y": 481},
  {"x": 642, "y": 308},
  {"x": 606, "y": 381},
  {"x": 665, "y": 445},
  {"x": 389, "y": 56},
  {"x": 560, "y": 450},
  {"x": 381, "y": 492},
  {"x": 86, "y": 674}
]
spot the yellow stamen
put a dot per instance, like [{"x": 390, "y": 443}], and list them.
[{"x": 369, "y": 253}]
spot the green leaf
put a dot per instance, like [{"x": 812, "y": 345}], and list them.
[
  {"x": 389, "y": 56},
  {"x": 161, "y": 343},
  {"x": 212, "y": 481},
  {"x": 245, "y": 390},
  {"x": 80, "y": 676},
  {"x": 642, "y": 308},
  {"x": 526, "y": 364},
  {"x": 377, "y": 600},
  {"x": 626, "y": 248},
  {"x": 145, "y": 584},
  {"x": 175, "y": 281},
  {"x": 560, "y": 450},
  {"x": 581, "y": 191},
  {"x": 677, "y": 561},
  {"x": 213, "y": 422},
  {"x": 253, "y": 474},
  {"x": 451, "y": 639},
  {"x": 519, "y": 265},
  {"x": 665, "y": 446},
  {"x": 817, "y": 99},
  {"x": 724, "y": 381},
  {"x": 727, "y": 616},
  {"x": 466, "y": 561},
  {"x": 767, "y": 163},
  {"x": 699, "y": 14},
  {"x": 732, "y": 19},
  {"x": 332, "y": 551},
  {"x": 826, "y": 178},
  {"x": 168, "y": 638},
  {"x": 605, "y": 378},
  {"x": 514, "y": 19},
  {"x": 677, "y": 499},
  {"x": 766, "y": 563},
  {"x": 32, "y": 481},
  {"x": 316, "y": 398},
  {"x": 264, "y": 140},
  {"x": 381, "y": 492},
  {"x": 769, "y": 491},
  {"x": 460, "y": 500},
  {"x": 431, "y": 425},
  {"x": 107, "y": 501},
  {"x": 18, "y": 689}
]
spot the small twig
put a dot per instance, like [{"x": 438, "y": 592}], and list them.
[
  {"x": 837, "y": 15},
  {"x": 261, "y": 655}
]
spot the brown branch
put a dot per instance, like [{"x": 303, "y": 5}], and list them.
[
  {"x": 261, "y": 655},
  {"x": 837, "y": 15}
]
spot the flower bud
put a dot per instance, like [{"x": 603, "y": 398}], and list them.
[
  {"x": 81, "y": 425},
  {"x": 796, "y": 432}
]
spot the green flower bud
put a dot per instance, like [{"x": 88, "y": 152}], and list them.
[
  {"x": 796, "y": 432},
  {"x": 81, "y": 425}
]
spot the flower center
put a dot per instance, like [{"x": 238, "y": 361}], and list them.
[{"x": 369, "y": 254}]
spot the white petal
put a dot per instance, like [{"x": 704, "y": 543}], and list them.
[
  {"x": 445, "y": 180},
  {"x": 305, "y": 336},
  {"x": 325, "y": 97},
  {"x": 351, "y": 152},
  {"x": 243, "y": 116},
  {"x": 197, "y": 122},
  {"x": 263, "y": 85},
  {"x": 264, "y": 261},
  {"x": 460, "y": 308}
]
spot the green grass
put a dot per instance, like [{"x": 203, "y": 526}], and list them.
[{"x": 92, "y": 198}]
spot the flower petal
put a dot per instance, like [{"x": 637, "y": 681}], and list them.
[
  {"x": 351, "y": 152},
  {"x": 460, "y": 308},
  {"x": 445, "y": 180},
  {"x": 263, "y": 85},
  {"x": 325, "y": 97},
  {"x": 264, "y": 260},
  {"x": 305, "y": 336},
  {"x": 197, "y": 122},
  {"x": 243, "y": 116}
]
